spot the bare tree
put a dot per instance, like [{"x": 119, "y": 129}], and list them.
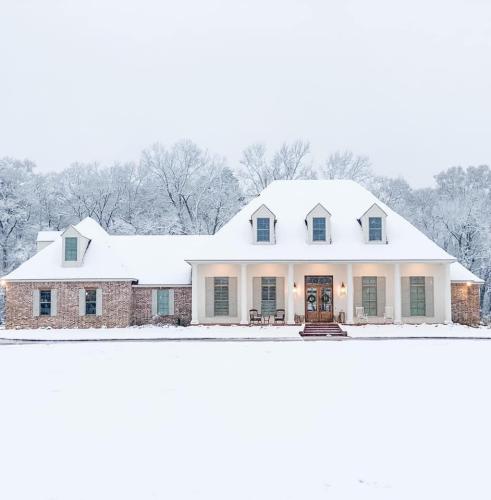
[{"x": 345, "y": 165}]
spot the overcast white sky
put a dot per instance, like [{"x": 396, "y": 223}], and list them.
[{"x": 407, "y": 83}]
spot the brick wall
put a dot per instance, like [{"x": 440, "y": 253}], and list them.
[
  {"x": 116, "y": 305},
  {"x": 465, "y": 303},
  {"x": 142, "y": 307}
]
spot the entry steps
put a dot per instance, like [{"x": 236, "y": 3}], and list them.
[{"x": 322, "y": 330}]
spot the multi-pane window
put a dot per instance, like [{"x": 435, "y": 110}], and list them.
[
  {"x": 319, "y": 229},
  {"x": 417, "y": 296},
  {"x": 90, "y": 302},
  {"x": 375, "y": 228},
  {"x": 221, "y": 304},
  {"x": 71, "y": 249},
  {"x": 262, "y": 229},
  {"x": 163, "y": 302},
  {"x": 268, "y": 295},
  {"x": 45, "y": 302},
  {"x": 369, "y": 295}
]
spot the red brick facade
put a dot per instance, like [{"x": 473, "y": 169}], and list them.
[
  {"x": 122, "y": 305},
  {"x": 466, "y": 303},
  {"x": 142, "y": 307}
]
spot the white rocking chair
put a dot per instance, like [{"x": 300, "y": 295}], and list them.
[
  {"x": 389, "y": 314},
  {"x": 361, "y": 317}
]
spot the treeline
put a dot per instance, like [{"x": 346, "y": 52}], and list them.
[{"x": 183, "y": 189}]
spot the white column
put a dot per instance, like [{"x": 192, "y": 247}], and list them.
[
  {"x": 290, "y": 310},
  {"x": 244, "y": 317},
  {"x": 349, "y": 286},
  {"x": 397, "y": 294},
  {"x": 194, "y": 294},
  {"x": 447, "y": 295}
]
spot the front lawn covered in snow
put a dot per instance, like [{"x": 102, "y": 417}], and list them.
[{"x": 245, "y": 420}]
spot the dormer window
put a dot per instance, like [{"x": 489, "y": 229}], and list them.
[
  {"x": 263, "y": 222},
  {"x": 318, "y": 222},
  {"x": 71, "y": 249},
  {"x": 374, "y": 225},
  {"x": 263, "y": 232},
  {"x": 319, "y": 228},
  {"x": 375, "y": 228}
]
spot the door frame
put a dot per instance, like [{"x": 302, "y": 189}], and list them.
[{"x": 318, "y": 286}]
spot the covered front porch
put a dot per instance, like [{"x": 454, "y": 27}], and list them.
[{"x": 382, "y": 292}]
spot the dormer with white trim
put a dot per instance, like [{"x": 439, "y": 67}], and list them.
[
  {"x": 263, "y": 222},
  {"x": 74, "y": 246},
  {"x": 374, "y": 225},
  {"x": 318, "y": 222}
]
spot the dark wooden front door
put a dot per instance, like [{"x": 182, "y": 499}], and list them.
[{"x": 318, "y": 298}]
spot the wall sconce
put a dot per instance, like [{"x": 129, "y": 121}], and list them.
[
  {"x": 342, "y": 290},
  {"x": 3, "y": 284},
  {"x": 295, "y": 287}
]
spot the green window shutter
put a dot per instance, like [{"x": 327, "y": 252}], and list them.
[
  {"x": 405, "y": 297},
  {"x": 154, "y": 302},
  {"x": 35, "y": 303},
  {"x": 171, "y": 302},
  {"x": 232, "y": 297},
  {"x": 256, "y": 293},
  {"x": 210, "y": 297},
  {"x": 98, "y": 306},
  {"x": 429, "y": 296},
  {"x": 163, "y": 302},
  {"x": 381, "y": 296},
  {"x": 54, "y": 302},
  {"x": 81, "y": 302},
  {"x": 280, "y": 292}
]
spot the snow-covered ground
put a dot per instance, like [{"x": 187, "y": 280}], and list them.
[
  {"x": 241, "y": 332},
  {"x": 246, "y": 420}
]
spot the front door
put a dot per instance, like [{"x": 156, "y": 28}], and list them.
[{"x": 318, "y": 298}]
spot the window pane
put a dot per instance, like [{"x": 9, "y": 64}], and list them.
[
  {"x": 375, "y": 228},
  {"x": 268, "y": 295},
  {"x": 369, "y": 295},
  {"x": 262, "y": 229},
  {"x": 45, "y": 302},
  {"x": 90, "y": 302},
  {"x": 417, "y": 296},
  {"x": 71, "y": 249},
  {"x": 221, "y": 296},
  {"x": 319, "y": 229},
  {"x": 163, "y": 302}
]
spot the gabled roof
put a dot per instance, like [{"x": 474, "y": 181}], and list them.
[
  {"x": 259, "y": 208},
  {"x": 370, "y": 207},
  {"x": 318, "y": 205},
  {"x": 290, "y": 201}
]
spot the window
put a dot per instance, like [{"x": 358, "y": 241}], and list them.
[
  {"x": 90, "y": 302},
  {"x": 319, "y": 229},
  {"x": 417, "y": 295},
  {"x": 163, "y": 302},
  {"x": 369, "y": 295},
  {"x": 71, "y": 249},
  {"x": 268, "y": 295},
  {"x": 221, "y": 297},
  {"x": 375, "y": 228},
  {"x": 262, "y": 229},
  {"x": 45, "y": 303}
]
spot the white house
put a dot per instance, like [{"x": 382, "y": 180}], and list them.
[{"x": 320, "y": 250}]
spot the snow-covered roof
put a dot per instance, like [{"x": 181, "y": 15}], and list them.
[
  {"x": 163, "y": 259},
  {"x": 146, "y": 259},
  {"x": 459, "y": 273},
  {"x": 44, "y": 236},
  {"x": 290, "y": 201}
]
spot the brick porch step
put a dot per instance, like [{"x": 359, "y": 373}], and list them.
[{"x": 322, "y": 330}]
